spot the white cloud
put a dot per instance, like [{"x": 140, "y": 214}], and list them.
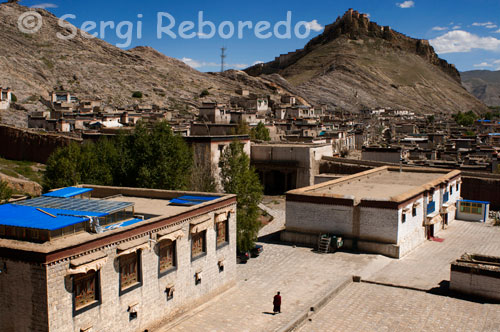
[
  {"x": 257, "y": 62},
  {"x": 198, "y": 64},
  {"x": 495, "y": 63},
  {"x": 456, "y": 27},
  {"x": 203, "y": 64},
  {"x": 406, "y": 4},
  {"x": 439, "y": 28},
  {"x": 315, "y": 26},
  {"x": 487, "y": 25},
  {"x": 45, "y": 5},
  {"x": 483, "y": 64},
  {"x": 460, "y": 41},
  {"x": 498, "y": 31}
]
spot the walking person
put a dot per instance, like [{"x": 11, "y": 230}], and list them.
[{"x": 277, "y": 303}]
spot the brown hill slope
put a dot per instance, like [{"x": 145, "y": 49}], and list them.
[
  {"x": 356, "y": 63},
  {"x": 35, "y": 64},
  {"x": 483, "y": 84}
]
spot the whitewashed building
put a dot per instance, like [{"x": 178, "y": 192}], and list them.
[
  {"x": 5, "y": 98},
  {"x": 384, "y": 210}
]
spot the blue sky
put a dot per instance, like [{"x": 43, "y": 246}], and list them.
[{"x": 464, "y": 32}]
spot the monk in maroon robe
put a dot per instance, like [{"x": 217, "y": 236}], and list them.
[{"x": 277, "y": 303}]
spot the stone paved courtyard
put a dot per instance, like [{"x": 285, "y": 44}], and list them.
[
  {"x": 367, "y": 307},
  {"x": 304, "y": 277},
  {"x": 429, "y": 264}
]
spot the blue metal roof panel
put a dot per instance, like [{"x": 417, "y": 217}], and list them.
[
  {"x": 199, "y": 198},
  {"x": 77, "y": 204},
  {"x": 177, "y": 201},
  {"x": 470, "y": 201},
  {"x": 31, "y": 217},
  {"x": 68, "y": 192}
]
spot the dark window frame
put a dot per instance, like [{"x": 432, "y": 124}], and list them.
[
  {"x": 226, "y": 242},
  {"x": 174, "y": 257},
  {"x": 97, "y": 290},
  {"x": 204, "y": 249},
  {"x": 138, "y": 284}
]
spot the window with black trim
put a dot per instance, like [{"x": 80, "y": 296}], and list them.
[
  {"x": 167, "y": 257},
  {"x": 414, "y": 211},
  {"x": 222, "y": 233},
  {"x": 130, "y": 271},
  {"x": 85, "y": 291},
  {"x": 404, "y": 218},
  {"x": 198, "y": 244}
]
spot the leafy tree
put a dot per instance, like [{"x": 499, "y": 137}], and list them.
[
  {"x": 202, "y": 178},
  {"x": 242, "y": 128},
  {"x": 204, "y": 93},
  {"x": 431, "y": 119},
  {"x": 5, "y": 192},
  {"x": 488, "y": 116},
  {"x": 13, "y": 98},
  {"x": 465, "y": 119},
  {"x": 237, "y": 177},
  {"x": 137, "y": 94},
  {"x": 63, "y": 167},
  {"x": 162, "y": 160},
  {"x": 260, "y": 133},
  {"x": 149, "y": 158}
]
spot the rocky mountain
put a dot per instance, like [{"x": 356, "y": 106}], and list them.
[
  {"x": 34, "y": 64},
  {"x": 356, "y": 63},
  {"x": 484, "y": 84}
]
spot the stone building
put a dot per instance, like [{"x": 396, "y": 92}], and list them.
[
  {"x": 286, "y": 166},
  {"x": 208, "y": 150},
  {"x": 383, "y": 210},
  {"x": 5, "y": 98},
  {"x": 123, "y": 260}
]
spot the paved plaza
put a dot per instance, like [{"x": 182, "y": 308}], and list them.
[
  {"x": 428, "y": 265},
  {"x": 304, "y": 277},
  {"x": 366, "y": 307}
]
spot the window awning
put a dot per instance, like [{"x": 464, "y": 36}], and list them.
[
  {"x": 201, "y": 224},
  {"x": 221, "y": 217},
  {"x": 172, "y": 236},
  {"x": 132, "y": 246},
  {"x": 433, "y": 220},
  {"x": 448, "y": 208},
  {"x": 84, "y": 264}
]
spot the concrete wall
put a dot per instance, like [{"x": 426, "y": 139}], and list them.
[
  {"x": 390, "y": 157},
  {"x": 476, "y": 285},
  {"x": 379, "y": 225},
  {"x": 20, "y": 144},
  {"x": 319, "y": 218},
  {"x": 23, "y": 299}
]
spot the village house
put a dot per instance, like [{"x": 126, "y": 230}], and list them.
[
  {"x": 121, "y": 260},
  {"x": 215, "y": 113},
  {"x": 286, "y": 166},
  {"x": 387, "y": 210},
  {"x": 208, "y": 150},
  {"x": 5, "y": 98}
]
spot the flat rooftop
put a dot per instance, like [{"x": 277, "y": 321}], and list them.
[
  {"x": 381, "y": 186},
  {"x": 147, "y": 208}
]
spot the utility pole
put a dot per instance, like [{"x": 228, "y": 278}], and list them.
[{"x": 222, "y": 58}]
